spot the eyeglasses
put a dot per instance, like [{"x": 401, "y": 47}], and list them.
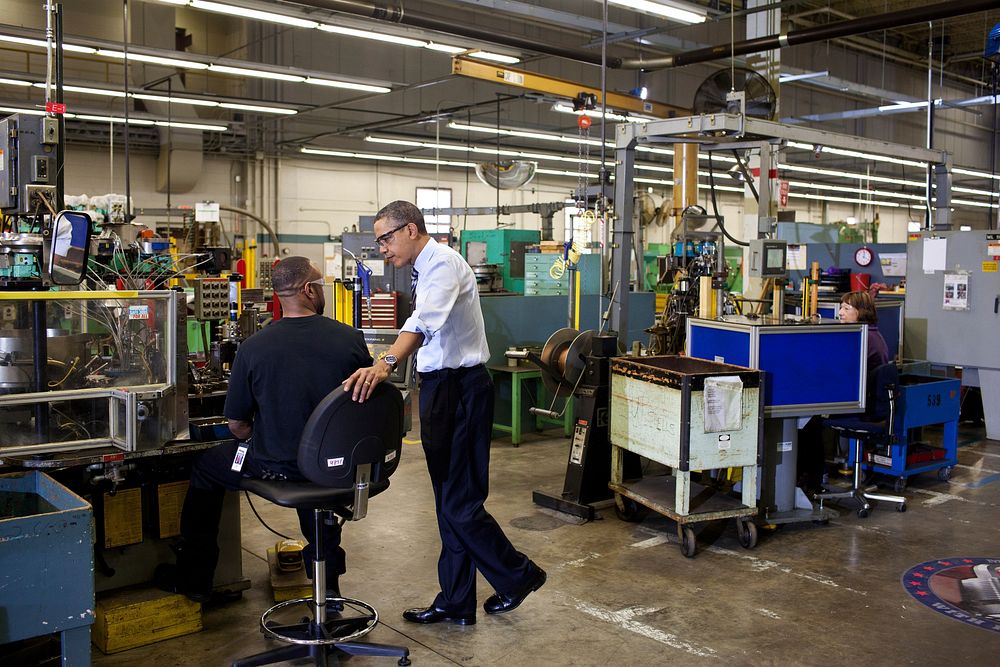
[
  {"x": 384, "y": 240},
  {"x": 319, "y": 281}
]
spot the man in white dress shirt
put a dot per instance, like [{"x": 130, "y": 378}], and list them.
[{"x": 447, "y": 333}]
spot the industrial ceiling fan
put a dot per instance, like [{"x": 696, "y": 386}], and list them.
[{"x": 715, "y": 94}]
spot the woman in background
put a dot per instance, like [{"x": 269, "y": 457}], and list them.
[{"x": 855, "y": 307}]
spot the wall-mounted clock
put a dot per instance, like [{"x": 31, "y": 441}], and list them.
[{"x": 863, "y": 256}]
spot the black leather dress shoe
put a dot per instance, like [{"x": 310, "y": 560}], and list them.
[
  {"x": 434, "y": 615},
  {"x": 503, "y": 602}
]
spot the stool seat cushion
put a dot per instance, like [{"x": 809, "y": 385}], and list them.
[
  {"x": 306, "y": 495},
  {"x": 856, "y": 425}
]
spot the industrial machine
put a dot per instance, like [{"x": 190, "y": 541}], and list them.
[
  {"x": 379, "y": 341},
  {"x": 109, "y": 376},
  {"x": 503, "y": 248},
  {"x": 953, "y": 289},
  {"x": 576, "y": 364}
]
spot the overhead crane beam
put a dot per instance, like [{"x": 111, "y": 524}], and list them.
[{"x": 560, "y": 87}]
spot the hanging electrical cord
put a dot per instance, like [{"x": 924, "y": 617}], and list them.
[
  {"x": 715, "y": 204},
  {"x": 261, "y": 519},
  {"x": 746, "y": 175}
]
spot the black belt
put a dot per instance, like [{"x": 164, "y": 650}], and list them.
[{"x": 450, "y": 372}]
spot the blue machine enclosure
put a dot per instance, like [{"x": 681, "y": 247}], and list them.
[
  {"x": 46, "y": 563},
  {"x": 811, "y": 368}
]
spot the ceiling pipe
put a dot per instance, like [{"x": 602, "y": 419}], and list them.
[
  {"x": 396, "y": 14},
  {"x": 820, "y": 33}
]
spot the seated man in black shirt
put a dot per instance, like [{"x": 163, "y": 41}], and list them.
[{"x": 280, "y": 375}]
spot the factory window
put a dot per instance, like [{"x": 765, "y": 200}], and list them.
[
  {"x": 581, "y": 229},
  {"x": 435, "y": 198}
]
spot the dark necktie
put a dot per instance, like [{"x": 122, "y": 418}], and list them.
[{"x": 413, "y": 288}]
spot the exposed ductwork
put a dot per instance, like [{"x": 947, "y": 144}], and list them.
[
  {"x": 819, "y": 33},
  {"x": 396, "y": 14}
]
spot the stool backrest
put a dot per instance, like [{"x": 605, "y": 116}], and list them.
[
  {"x": 879, "y": 382},
  {"x": 342, "y": 434}
]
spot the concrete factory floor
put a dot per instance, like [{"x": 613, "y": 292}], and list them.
[{"x": 622, "y": 593}]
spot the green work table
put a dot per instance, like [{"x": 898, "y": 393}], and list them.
[{"x": 518, "y": 376}]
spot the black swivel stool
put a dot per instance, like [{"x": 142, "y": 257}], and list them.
[
  {"x": 348, "y": 451},
  {"x": 874, "y": 428}
]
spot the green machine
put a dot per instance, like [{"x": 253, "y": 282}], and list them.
[{"x": 502, "y": 247}]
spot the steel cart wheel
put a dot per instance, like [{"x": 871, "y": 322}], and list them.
[
  {"x": 863, "y": 513},
  {"x": 944, "y": 474},
  {"x": 899, "y": 484},
  {"x": 689, "y": 544},
  {"x": 628, "y": 510},
  {"x": 901, "y": 507},
  {"x": 747, "y": 531}
]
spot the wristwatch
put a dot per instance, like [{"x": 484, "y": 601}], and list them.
[{"x": 389, "y": 359}]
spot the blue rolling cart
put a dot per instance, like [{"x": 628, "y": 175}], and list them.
[{"x": 920, "y": 401}]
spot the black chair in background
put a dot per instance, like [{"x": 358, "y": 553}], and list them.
[
  {"x": 347, "y": 452},
  {"x": 874, "y": 428}
]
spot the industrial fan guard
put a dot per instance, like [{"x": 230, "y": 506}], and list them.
[{"x": 761, "y": 101}]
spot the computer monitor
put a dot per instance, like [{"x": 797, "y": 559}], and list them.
[{"x": 768, "y": 259}]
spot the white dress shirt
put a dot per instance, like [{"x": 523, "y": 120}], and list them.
[{"x": 447, "y": 311}]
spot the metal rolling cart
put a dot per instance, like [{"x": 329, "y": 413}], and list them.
[{"x": 674, "y": 410}]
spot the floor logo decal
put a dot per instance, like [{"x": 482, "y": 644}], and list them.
[{"x": 965, "y": 589}]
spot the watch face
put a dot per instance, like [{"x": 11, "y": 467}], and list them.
[{"x": 863, "y": 257}]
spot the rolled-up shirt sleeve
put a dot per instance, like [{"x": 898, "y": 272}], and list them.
[{"x": 437, "y": 293}]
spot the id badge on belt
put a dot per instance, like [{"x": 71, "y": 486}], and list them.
[{"x": 241, "y": 454}]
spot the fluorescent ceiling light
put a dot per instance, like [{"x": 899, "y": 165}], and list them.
[
  {"x": 494, "y": 57},
  {"x": 30, "y": 112},
  {"x": 121, "y": 119},
  {"x": 368, "y": 34},
  {"x": 445, "y": 48},
  {"x": 110, "y": 119},
  {"x": 888, "y": 204},
  {"x": 561, "y": 107},
  {"x": 174, "y": 100},
  {"x": 978, "y": 204},
  {"x": 108, "y": 92},
  {"x": 15, "y": 82},
  {"x": 383, "y": 158},
  {"x": 680, "y": 12},
  {"x": 898, "y": 106},
  {"x": 973, "y": 172},
  {"x": 42, "y": 44},
  {"x": 191, "y": 126},
  {"x": 875, "y": 157},
  {"x": 262, "y": 74},
  {"x": 862, "y": 191},
  {"x": 244, "y": 12},
  {"x": 156, "y": 60},
  {"x": 256, "y": 107},
  {"x": 525, "y": 134},
  {"x": 349, "y": 85},
  {"x": 787, "y": 78},
  {"x": 486, "y": 150}
]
